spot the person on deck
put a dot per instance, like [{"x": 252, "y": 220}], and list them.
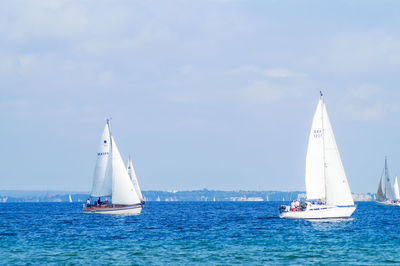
[
  {"x": 88, "y": 202},
  {"x": 297, "y": 204},
  {"x": 293, "y": 206}
]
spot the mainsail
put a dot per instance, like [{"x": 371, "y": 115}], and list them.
[
  {"x": 315, "y": 181},
  {"x": 379, "y": 193},
  {"x": 102, "y": 184},
  {"x": 132, "y": 175},
  {"x": 388, "y": 191},
  {"x": 325, "y": 175}
]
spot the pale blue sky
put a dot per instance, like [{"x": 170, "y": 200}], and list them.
[{"x": 203, "y": 94}]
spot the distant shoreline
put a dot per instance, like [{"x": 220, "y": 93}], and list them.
[{"x": 166, "y": 196}]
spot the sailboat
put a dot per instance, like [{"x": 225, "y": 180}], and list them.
[
  {"x": 328, "y": 192},
  {"x": 396, "y": 189},
  {"x": 69, "y": 198},
  {"x": 389, "y": 195},
  {"x": 111, "y": 178},
  {"x": 135, "y": 183}
]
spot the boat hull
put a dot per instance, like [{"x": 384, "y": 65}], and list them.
[
  {"x": 115, "y": 209},
  {"x": 387, "y": 203},
  {"x": 320, "y": 212}
]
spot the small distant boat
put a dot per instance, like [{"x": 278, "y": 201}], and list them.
[
  {"x": 111, "y": 178},
  {"x": 69, "y": 198},
  {"x": 135, "y": 183},
  {"x": 328, "y": 192},
  {"x": 387, "y": 193},
  {"x": 396, "y": 189}
]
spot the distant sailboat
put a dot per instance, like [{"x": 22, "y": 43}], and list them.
[
  {"x": 69, "y": 198},
  {"x": 389, "y": 195},
  {"x": 112, "y": 179},
  {"x": 328, "y": 192},
  {"x": 396, "y": 189},
  {"x": 135, "y": 183}
]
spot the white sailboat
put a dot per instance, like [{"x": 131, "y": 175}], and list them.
[
  {"x": 389, "y": 195},
  {"x": 396, "y": 189},
  {"x": 111, "y": 179},
  {"x": 69, "y": 198},
  {"x": 135, "y": 183},
  {"x": 328, "y": 192}
]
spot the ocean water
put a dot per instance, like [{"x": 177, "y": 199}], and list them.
[{"x": 192, "y": 233}]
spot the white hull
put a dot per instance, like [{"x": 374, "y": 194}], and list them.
[
  {"x": 120, "y": 210},
  {"x": 388, "y": 203},
  {"x": 319, "y": 212}
]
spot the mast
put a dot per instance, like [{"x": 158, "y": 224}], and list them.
[
  {"x": 323, "y": 138},
  {"x": 388, "y": 190},
  {"x": 111, "y": 143},
  {"x": 109, "y": 130}
]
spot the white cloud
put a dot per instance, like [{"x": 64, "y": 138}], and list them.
[
  {"x": 280, "y": 73},
  {"x": 369, "y": 102},
  {"x": 359, "y": 51},
  {"x": 268, "y": 72},
  {"x": 27, "y": 61},
  {"x": 261, "y": 91},
  {"x": 366, "y": 113},
  {"x": 363, "y": 92},
  {"x": 184, "y": 96}
]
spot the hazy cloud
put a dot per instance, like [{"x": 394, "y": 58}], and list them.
[
  {"x": 261, "y": 91},
  {"x": 174, "y": 70},
  {"x": 267, "y": 72},
  {"x": 361, "y": 51},
  {"x": 366, "y": 113}
]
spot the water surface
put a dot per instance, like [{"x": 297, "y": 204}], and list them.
[{"x": 195, "y": 233}]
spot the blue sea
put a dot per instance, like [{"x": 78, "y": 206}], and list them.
[{"x": 195, "y": 233}]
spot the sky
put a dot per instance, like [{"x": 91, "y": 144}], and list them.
[{"x": 215, "y": 94}]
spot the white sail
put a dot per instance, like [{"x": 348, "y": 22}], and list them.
[
  {"x": 337, "y": 188},
  {"x": 69, "y": 198},
  {"x": 389, "y": 194},
  {"x": 123, "y": 191},
  {"x": 325, "y": 176},
  {"x": 379, "y": 193},
  {"x": 396, "y": 189},
  {"x": 315, "y": 181},
  {"x": 102, "y": 183},
  {"x": 132, "y": 175}
]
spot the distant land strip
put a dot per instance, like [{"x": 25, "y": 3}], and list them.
[{"x": 174, "y": 195}]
